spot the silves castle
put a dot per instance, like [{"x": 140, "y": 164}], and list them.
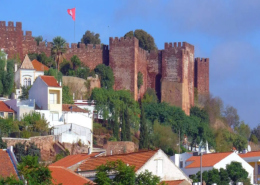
[{"x": 173, "y": 72}]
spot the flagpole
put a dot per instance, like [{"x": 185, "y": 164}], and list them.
[{"x": 74, "y": 25}]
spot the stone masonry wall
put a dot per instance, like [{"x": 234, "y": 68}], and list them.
[
  {"x": 14, "y": 42},
  {"x": 123, "y": 61},
  {"x": 172, "y": 72},
  {"x": 201, "y": 79},
  {"x": 120, "y": 147},
  {"x": 45, "y": 143}
]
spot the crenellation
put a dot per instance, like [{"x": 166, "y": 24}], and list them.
[{"x": 172, "y": 72}]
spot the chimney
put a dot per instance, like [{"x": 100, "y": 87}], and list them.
[
  {"x": 60, "y": 84},
  {"x": 15, "y": 67}
]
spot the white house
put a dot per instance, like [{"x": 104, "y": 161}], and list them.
[
  {"x": 5, "y": 55},
  {"x": 27, "y": 73},
  {"x": 191, "y": 165},
  {"x": 155, "y": 161}
]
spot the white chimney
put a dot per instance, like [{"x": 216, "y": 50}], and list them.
[{"x": 60, "y": 84}]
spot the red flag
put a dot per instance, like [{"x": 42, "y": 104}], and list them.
[{"x": 72, "y": 13}]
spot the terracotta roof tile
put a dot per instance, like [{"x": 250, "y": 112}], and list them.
[
  {"x": 50, "y": 81},
  {"x": 27, "y": 64},
  {"x": 208, "y": 160},
  {"x": 6, "y": 165},
  {"x": 38, "y": 66},
  {"x": 66, "y": 107},
  {"x": 137, "y": 159},
  {"x": 173, "y": 182},
  {"x": 4, "y": 107},
  {"x": 67, "y": 177},
  {"x": 250, "y": 154},
  {"x": 72, "y": 159}
]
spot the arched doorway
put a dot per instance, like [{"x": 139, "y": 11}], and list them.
[{"x": 158, "y": 86}]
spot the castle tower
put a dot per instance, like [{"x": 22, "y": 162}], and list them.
[
  {"x": 201, "y": 76},
  {"x": 127, "y": 59},
  {"x": 177, "y": 82}
]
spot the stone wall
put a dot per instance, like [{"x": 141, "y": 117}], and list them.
[
  {"x": 14, "y": 42},
  {"x": 78, "y": 87},
  {"x": 45, "y": 143},
  {"x": 201, "y": 77},
  {"x": 174, "y": 65},
  {"x": 120, "y": 147}
]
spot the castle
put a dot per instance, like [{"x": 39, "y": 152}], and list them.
[{"x": 172, "y": 72}]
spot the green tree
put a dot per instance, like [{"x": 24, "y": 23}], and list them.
[
  {"x": 67, "y": 97},
  {"x": 256, "y": 131},
  {"x": 150, "y": 96},
  {"x": 253, "y": 139},
  {"x": 243, "y": 130},
  {"x": 38, "y": 39},
  {"x": 147, "y": 178},
  {"x": 139, "y": 80},
  {"x": 90, "y": 38},
  {"x": 8, "y": 83},
  {"x": 224, "y": 178},
  {"x": 106, "y": 76},
  {"x": 25, "y": 92},
  {"x": 75, "y": 61},
  {"x": 231, "y": 116},
  {"x": 127, "y": 125},
  {"x": 33, "y": 150},
  {"x": 143, "y": 142},
  {"x": 59, "y": 49},
  {"x": 33, "y": 172},
  {"x": 123, "y": 128},
  {"x": 163, "y": 137},
  {"x": 239, "y": 142},
  {"x": 236, "y": 172},
  {"x": 53, "y": 72},
  {"x": 35, "y": 122},
  {"x": 146, "y": 41},
  {"x": 20, "y": 151},
  {"x": 12, "y": 180},
  {"x": 3, "y": 145}
]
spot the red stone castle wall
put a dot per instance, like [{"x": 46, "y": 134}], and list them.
[
  {"x": 14, "y": 42},
  {"x": 142, "y": 67},
  {"x": 201, "y": 77}
]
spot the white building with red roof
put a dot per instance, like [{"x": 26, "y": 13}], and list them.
[{"x": 190, "y": 163}]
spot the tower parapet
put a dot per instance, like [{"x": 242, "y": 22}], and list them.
[{"x": 201, "y": 76}]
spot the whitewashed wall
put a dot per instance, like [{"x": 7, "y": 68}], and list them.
[
  {"x": 180, "y": 157},
  {"x": 82, "y": 119},
  {"x": 169, "y": 170}
]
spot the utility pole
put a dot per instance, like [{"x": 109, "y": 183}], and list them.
[{"x": 179, "y": 141}]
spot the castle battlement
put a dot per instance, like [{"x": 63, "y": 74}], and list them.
[
  {"x": 205, "y": 60},
  {"x": 10, "y": 26},
  {"x": 122, "y": 41},
  {"x": 178, "y": 45}
]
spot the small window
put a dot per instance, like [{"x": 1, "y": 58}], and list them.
[
  {"x": 25, "y": 82},
  {"x": 159, "y": 166},
  {"x": 29, "y": 82},
  {"x": 2, "y": 114},
  {"x": 258, "y": 170},
  {"x": 181, "y": 164},
  {"x": 53, "y": 98},
  {"x": 10, "y": 115}
]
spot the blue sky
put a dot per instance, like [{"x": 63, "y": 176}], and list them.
[{"x": 226, "y": 31}]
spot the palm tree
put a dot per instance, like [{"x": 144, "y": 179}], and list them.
[{"x": 59, "y": 49}]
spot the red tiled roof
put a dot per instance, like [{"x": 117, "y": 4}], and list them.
[
  {"x": 66, "y": 107},
  {"x": 137, "y": 159},
  {"x": 64, "y": 176},
  {"x": 38, "y": 66},
  {"x": 6, "y": 165},
  {"x": 250, "y": 154},
  {"x": 50, "y": 81},
  {"x": 173, "y": 182},
  {"x": 4, "y": 107},
  {"x": 72, "y": 159},
  {"x": 208, "y": 160}
]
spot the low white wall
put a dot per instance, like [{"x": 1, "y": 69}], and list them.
[
  {"x": 82, "y": 119},
  {"x": 71, "y": 138}
]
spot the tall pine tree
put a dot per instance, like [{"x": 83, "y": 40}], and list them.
[
  {"x": 143, "y": 142},
  {"x": 116, "y": 128},
  {"x": 127, "y": 125},
  {"x": 123, "y": 130}
]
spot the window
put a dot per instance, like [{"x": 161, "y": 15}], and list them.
[
  {"x": 2, "y": 114},
  {"x": 53, "y": 98},
  {"x": 181, "y": 164},
  {"x": 10, "y": 115},
  {"x": 258, "y": 169},
  {"x": 25, "y": 82},
  {"x": 29, "y": 82},
  {"x": 54, "y": 116},
  {"x": 159, "y": 165}
]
